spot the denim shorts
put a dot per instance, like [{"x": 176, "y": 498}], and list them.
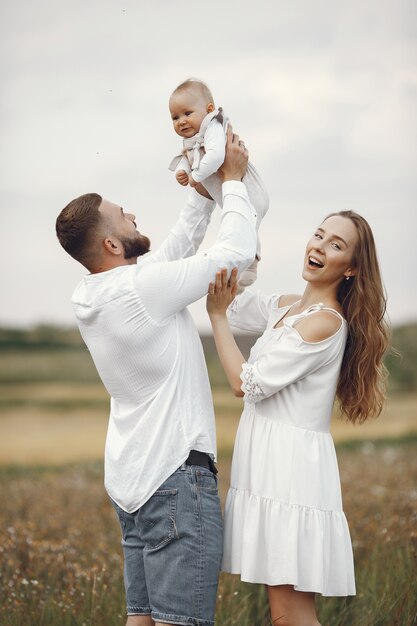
[{"x": 172, "y": 550}]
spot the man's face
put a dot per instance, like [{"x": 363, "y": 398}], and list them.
[
  {"x": 122, "y": 225},
  {"x": 135, "y": 246}
]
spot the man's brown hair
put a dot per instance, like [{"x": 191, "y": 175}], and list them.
[{"x": 76, "y": 224}]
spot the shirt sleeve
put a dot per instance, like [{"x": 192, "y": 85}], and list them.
[
  {"x": 251, "y": 310},
  {"x": 187, "y": 234},
  {"x": 215, "y": 150},
  {"x": 166, "y": 288},
  {"x": 283, "y": 361}
]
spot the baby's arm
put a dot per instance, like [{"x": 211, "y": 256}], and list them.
[
  {"x": 182, "y": 170},
  {"x": 214, "y": 146}
]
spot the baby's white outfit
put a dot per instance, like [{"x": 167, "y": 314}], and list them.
[
  {"x": 202, "y": 155},
  {"x": 284, "y": 520}
]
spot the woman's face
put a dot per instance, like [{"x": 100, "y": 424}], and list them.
[{"x": 329, "y": 253}]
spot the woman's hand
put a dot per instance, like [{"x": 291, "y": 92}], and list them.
[
  {"x": 220, "y": 295},
  {"x": 222, "y": 292}
]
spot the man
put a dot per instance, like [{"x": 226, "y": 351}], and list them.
[{"x": 161, "y": 446}]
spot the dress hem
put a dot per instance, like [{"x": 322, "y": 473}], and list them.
[{"x": 249, "y": 579}]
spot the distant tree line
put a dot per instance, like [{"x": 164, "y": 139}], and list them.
[
  {"x": 401, "y": 363},
  {"x": 42, "y": 337},
  {"x": 402, "y": 360}
]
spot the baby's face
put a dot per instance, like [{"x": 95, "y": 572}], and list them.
[{"x": 188, "y": 109}]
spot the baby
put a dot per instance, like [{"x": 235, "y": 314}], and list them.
[{"x": 203, "y": 128}]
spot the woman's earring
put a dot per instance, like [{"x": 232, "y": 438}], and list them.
[{"x": 347, "y": 277}]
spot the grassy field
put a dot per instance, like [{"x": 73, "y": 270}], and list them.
[
  {"x": 53, "y": 423},
  {"x": 61, "y": 559},
  {"x": 60, "y": 556}
]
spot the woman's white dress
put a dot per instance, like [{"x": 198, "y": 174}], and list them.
[{"x": 284, "y": 522}]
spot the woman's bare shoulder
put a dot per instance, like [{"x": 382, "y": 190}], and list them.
[
  {"x": 288, "y": 299},
  {"x": 318, "y": 326}
]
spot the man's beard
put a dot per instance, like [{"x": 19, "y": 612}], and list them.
[{"x": 135, "y": 246}]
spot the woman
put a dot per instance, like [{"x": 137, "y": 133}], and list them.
[{"x": 284, "y": 522}]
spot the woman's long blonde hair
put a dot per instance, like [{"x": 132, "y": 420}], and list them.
[{"x": 361, "y": 388}]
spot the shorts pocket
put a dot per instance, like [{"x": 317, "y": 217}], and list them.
[
  {"x": 158, "y": 519},
  {"x": 206, "y": 480}
]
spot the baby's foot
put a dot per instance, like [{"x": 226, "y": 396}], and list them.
[{"x": 248, "y": 276}]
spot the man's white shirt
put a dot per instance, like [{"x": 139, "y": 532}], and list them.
[{"x": 147, "y": 350}]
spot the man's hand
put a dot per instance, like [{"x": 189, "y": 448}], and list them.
[
  {"x": 191, "y": 181},
  {"x": 202, "y": 191},
  {"x": 236, "y": 159},
  {"x": 182, "y": 177}
]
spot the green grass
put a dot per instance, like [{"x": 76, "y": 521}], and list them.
[
  {"x": 60, "y": 556},
  {"x": 46, "y": 366},
  {"x": 63, "y": 405},
  {"x": 386, "y": 591},
  {"x": 357, "y": 444}
]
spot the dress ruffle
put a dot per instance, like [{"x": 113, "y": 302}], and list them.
[
  {"x": 300, "y": 546},
  {"x": 284, "y": 521}
]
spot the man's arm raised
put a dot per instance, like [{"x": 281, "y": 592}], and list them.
[{"x": 167, "y": 288}]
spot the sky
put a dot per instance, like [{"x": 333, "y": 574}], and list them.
[{"x": 323, "y": 92}]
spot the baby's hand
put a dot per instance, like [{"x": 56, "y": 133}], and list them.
[{"x": 182, "y": 177}]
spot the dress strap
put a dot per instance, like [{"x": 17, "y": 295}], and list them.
[{"x": 321, "y": 307}]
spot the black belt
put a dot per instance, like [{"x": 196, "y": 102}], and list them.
[{"x": 201, "y": 458}]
